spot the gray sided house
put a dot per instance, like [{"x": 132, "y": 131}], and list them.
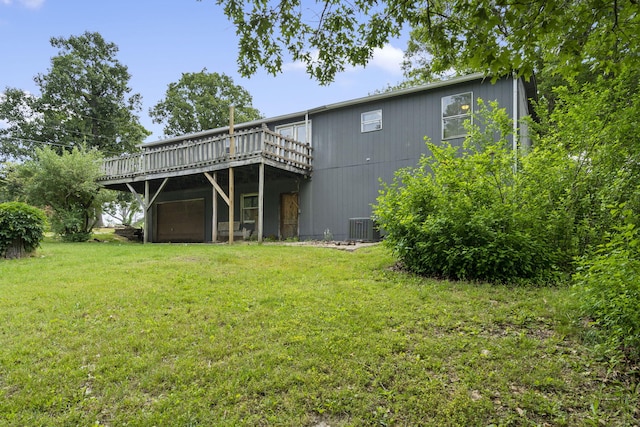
[{"x": 309, "y": 175}]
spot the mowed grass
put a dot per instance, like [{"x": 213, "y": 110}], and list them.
[{"x": 201, "y": 335}]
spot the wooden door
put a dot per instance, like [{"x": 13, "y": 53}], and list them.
[{"x": 288, "y": 215}]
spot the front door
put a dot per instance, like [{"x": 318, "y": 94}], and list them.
[{"x": 288, "y": 215}]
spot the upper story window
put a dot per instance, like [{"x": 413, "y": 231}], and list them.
[
  {"x": 371, "y": 121},
  {"x": 455, "y": 110},
  {"x": 300, "y": 131}
]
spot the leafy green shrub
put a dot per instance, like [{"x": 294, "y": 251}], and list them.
[
  {"x": 21, "y": 228},
  {"x": 70, "y": 224},
  {"x": 67, "y": 183},
  {"x": 608, "y": 285},
  {"x": 460, "y": 214}
]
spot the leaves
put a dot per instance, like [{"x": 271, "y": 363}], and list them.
[
  {"x": 201, "y": 101},
  {"x": 20, "y": 224},
  {"x": 460, "y": 213},
  {"x": 479, "y": 35},
  {"x": 84, "y": 100},
  {"x": 67, "y": 184}
]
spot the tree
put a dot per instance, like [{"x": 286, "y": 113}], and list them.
[
  {"x": 494, "y": 37},
  {"x": 200, "y": 101},
  {"x": 67, "y": 184},
  {"x": 124, "y": 207},
  {"x": 13, "y": 179},
  {"x": 84, "y": 100}
]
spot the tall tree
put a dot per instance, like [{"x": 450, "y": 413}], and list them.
[
  {"x": 84, "y": 99},
  {"x": 200, "y": 101},
  {"x": 494, "y": 37}
]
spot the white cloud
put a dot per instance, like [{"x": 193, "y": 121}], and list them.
[
  {"x": 32, "y": 4},
  {"x": 388, "y": 59},
  {"x": 294, "y": 66},
  {"x": 29, "y": 4}
]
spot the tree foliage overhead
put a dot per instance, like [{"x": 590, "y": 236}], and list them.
[
  {"x": 84, "y": 100},
  {"x": 483, "y": 35},
  {"x": 201, "y": 101}
]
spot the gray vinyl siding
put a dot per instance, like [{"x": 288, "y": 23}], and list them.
[{"x": 348, "y": 164}]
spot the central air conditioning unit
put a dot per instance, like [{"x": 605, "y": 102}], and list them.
[{"x": 363, "y": 230}]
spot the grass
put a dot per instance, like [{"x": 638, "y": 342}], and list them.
[{"x": 125, "y": 334}]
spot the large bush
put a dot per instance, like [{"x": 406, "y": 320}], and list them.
[
  {"x": 21, "y": 229},
  {"x": 67, "y": 183},
  {"x": 460, "y": 214},
  {"x": 608, "y": 285}
]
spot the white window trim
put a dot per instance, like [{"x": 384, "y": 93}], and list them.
[
  {"x": 457, "y": 116},
  {"x": 306, "y": 123},
  {"x": 364, "y": 122}
]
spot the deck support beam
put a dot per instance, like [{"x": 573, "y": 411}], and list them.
[
  {"x": 260, "y": 201},
  {"x": 146, "y": 204},
  {"x": 227, "y": 199},
  {"x": 232, "y": 183},
  {"x": 214, "y": 206},
  {"x": 231, "y": 198}
]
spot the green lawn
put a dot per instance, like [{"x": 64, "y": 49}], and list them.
[{"x": 189, "y": 335}]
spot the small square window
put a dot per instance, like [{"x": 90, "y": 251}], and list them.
[{"x": 371, "y": 121}]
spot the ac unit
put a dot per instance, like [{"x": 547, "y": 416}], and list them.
[{"x": 363, "y": 230}]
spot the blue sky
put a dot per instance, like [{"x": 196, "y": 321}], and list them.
[{"x": 159, "y": 40}]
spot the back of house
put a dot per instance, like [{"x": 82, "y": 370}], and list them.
[{"x": 310, "y": 175}]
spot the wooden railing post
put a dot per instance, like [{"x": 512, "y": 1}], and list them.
[{"x": 260, "y": 143}]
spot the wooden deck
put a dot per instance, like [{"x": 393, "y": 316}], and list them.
[{"x": 209, "y": 153}]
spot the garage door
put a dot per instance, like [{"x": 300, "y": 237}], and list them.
[{"x": 180, "y": 221}]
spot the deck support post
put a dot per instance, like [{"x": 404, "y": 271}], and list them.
[
  {"x": 146, "y": 204},
  {"x": 227, "y": 199},
  {"x": 214, "y": 209},
  {"x": 231, "y": 198},
  {"x": 145, "y": 230},
  {"x": 232, "y": 184},
  {"x": 260, "y": 201}
]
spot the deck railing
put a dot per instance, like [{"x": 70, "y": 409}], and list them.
[{"x": 211, "y": 150}]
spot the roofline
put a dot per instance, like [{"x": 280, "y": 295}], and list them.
[{"x": 370, "y": 98}]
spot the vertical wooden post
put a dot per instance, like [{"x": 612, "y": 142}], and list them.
[
  {"x": 232, "y": 153},
  {"x": 214, "y": 213},
  {"x": 260, "y": 201},
  {"x": 231, "y": 203},
  {"x": 232, "y": 145},
  {"x": 145, "y": 232}
]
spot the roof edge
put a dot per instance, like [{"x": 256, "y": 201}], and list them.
[{"x": 369, "y": 98}]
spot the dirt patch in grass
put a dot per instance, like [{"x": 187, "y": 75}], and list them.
[{"x": 349, "y": 246}]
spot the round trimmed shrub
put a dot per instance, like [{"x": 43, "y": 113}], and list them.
[{"x": 21, "y": 229}]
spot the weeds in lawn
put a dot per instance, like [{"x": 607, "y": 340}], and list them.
[{"x": 115, "y": 333}]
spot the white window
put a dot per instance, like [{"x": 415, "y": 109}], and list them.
[
  {"x": 297, "y": 131},
  {"x": 371, "y": 121},
  {"x": 456, "y": 109},
  {"x": 249, "y": 205}
]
